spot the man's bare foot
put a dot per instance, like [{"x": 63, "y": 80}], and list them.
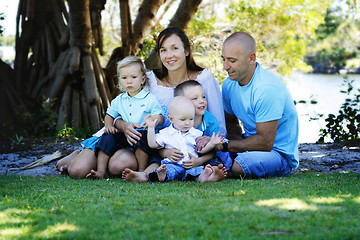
[
  {"x": 161, "y": 172},
  {"x": 131, "y": 176},
  {"x": 208, "y": 170},
  {"x": 63, "y": 170},
  {"x": 95, "y": 175},
  {"x": 219, "y": 173},
  {"x": 66, "y": 160}
]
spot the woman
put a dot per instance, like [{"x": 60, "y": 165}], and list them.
[{"x": 178, "y": 65}]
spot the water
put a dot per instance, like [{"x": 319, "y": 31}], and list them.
[{"x": 325, "y": 89}]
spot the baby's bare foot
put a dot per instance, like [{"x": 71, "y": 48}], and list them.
[
  {"x": 131, "y": 176},
  {"x": 208, "y": 170},
  {"x": 161, "y": 172},
  {"x": 219, "y": 173},
  {"x": 95, "y": 175}
]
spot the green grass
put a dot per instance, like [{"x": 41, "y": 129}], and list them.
[{"x": 302, "y": 206}]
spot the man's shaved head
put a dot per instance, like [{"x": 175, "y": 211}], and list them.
[{"x": 245, "y": 40}]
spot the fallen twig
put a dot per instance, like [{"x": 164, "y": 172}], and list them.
[{"x": 42, "y": 161}]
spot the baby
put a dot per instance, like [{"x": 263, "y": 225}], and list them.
[{"x": 181, "y": 135}]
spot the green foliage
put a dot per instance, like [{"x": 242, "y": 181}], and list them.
[
  {"x": 66, "y": 132},
  {"x": 281, "y": 29},
  {"x": 69, "y": 133},
  {"x": 301, "y": 206},
  {"x": 336, "y": 43},
  {"x": 16, "y": 140},
  {"x": 333, "y": 19},
  {"x": 7, "y": 40},
  {"x": 207, "y": 39},
  {"x": 346, "y": 125},
  {"x": 146, "y": 47}
]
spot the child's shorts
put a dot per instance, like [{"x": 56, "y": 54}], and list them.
[{"x": 110, "y": 143}]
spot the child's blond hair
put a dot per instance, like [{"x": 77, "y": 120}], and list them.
[{"x": 127, "y": 61}]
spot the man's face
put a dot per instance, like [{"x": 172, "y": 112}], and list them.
[{"x": 235, "y": 62}]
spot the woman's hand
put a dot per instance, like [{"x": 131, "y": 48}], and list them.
[
  {"x": 192, "y": 162},
  {"x": 131, "y": 134},
  {"x": 173, "y": 154},
  {"x": 201, "y": 142}
]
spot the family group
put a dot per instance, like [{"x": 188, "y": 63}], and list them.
[{"x": 174, "y": 123}]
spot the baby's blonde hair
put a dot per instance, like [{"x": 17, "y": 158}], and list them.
[{"x": 127, "y": 61}]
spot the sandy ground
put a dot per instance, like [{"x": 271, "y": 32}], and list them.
[{"x": 317, "y": 157}]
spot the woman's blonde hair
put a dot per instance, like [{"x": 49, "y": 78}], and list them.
[{"x": 127, "y": 61}]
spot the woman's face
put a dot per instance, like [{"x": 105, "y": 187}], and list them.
[{"x": 173, "y": 54}]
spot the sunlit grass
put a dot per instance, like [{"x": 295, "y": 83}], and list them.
[{"x": 302, "y": 206}]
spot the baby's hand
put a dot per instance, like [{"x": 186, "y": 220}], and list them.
[
  {"x": 217, "y": 139},
  {"x": 149, "y": 122},
  {"x": 201, "y": 142},
  {"x": 110, "y": 130}
]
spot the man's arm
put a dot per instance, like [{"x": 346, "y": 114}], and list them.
[{"x": 263, "y": 140}]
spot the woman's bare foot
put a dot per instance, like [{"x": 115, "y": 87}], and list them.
[
  {"x": 219, "y": 173},
  {"x": 161, "y": 172},
  {"x": 63, "y": 170},
  {"x": 95, "y": 175},
  {"x": 66, "y": 160},
  {"x": 131, "y": 176},
  {"x": 208, "y": 170}
]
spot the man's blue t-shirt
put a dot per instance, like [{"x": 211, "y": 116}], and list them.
[{"x": 265, "y": 98}]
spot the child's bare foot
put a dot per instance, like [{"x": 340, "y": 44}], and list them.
[
  {"x": 208, "y": 170},
  {"x": 131, "y": 176},
  {"x": 95, "y": 175},
  {"x": 161, "y": 172},
  {"x": 219, "y": 173},
  {"x": 66, "y": 160}
]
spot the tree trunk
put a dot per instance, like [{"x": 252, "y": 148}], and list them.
[{"x": 56, "y": 54}]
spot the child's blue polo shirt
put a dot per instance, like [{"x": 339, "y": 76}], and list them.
[{"x": 134, "y": 109}]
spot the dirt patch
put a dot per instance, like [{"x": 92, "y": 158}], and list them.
[
  {"x": 335, "y": 157},
  {"x": 317, "y": 157}
]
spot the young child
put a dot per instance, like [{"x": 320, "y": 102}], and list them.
[
  {"x": 204, "y": 121},
  {"x": 181, "y": 135},
  {"x": 134, "y": 105}
]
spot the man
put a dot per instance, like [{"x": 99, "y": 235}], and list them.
[{"x": 260, "y": 100}]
